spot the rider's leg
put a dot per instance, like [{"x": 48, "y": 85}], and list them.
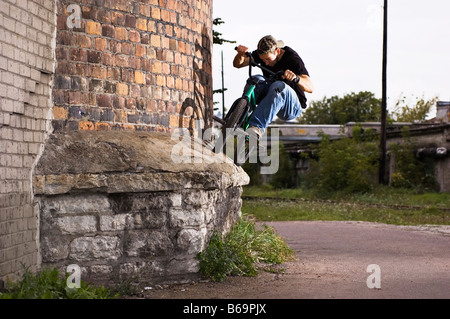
[
  {"x": 280, "y": 100},
  {"x": 262, "y": 86}
]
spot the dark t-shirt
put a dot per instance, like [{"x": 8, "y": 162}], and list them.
[{"x": 289, "y": 61}]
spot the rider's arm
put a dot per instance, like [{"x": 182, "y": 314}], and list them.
[
  {"x": 241, "y": 59},
  {"x": 306, "y": 83}
]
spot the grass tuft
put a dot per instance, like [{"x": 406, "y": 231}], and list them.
[
  {"x": 243, "y": 251},
  {"x": 49, "y": 284}
]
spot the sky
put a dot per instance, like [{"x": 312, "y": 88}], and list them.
[{"x": 341, "y": 44}]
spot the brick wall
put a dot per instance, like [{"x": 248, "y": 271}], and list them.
[
  {"x": 128, "y": 65},
  {"x": 26, "y": 68},
  {"x": 132, "y": 65}
]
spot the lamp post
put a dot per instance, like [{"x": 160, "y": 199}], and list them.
[{"x": 382, "y": 167}]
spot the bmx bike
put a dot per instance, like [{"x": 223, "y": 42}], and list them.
[{"x": 236, "y": 121}]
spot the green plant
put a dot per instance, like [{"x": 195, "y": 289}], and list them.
[
  {"x": 347, "y": 164},
  {"x": 410, "y": 171},
  {"x": 242, "y": 251},
  {"x": 283, "y": 178},
  {"x": 49, "y": 284}
]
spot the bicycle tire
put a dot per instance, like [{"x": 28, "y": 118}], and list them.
[
  {"x": 236, "y": 114},
  {"x": 234, "y": 118}
]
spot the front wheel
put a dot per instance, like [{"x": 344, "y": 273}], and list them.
[{"x": 234, "y": 118}]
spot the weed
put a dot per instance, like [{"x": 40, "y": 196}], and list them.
[
  {"x": 49, "y": 284},
  {"x": 242, "y": 250}
]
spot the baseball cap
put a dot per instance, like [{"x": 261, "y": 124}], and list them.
[{"x": 268, "y": 43}]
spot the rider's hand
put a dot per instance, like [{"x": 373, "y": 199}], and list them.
[
  {"x": 242, "y": 49},
  {"x": 289, "y": 75}
]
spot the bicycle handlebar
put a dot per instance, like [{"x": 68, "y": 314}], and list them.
[{"x": 273, "y": 74}]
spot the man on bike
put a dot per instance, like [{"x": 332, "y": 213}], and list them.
[{"x": 280, "y": 98}]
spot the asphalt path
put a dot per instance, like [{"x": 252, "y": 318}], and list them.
[
  {"x": 366, "y": 260},
  {"x": 343, "y": 260}
]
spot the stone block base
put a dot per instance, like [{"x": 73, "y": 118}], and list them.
[{"x": 117, "y": 206}]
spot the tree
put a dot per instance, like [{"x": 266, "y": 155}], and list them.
[
  {"x": 417, "y": 113},
  {"x": 217, "y": 39},
  {"x": 353, "y": 107}
]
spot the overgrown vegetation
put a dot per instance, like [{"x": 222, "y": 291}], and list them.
[
  {"x": 243, "y": 251},
  {"x": 410, "y": 171},
  {"x": 49, "y": 284},
  {"x": 383, "y": 204},
  {"x": 347, "y": 164}
]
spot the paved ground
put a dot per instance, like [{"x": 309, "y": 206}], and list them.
[{"x": 332, "y": 261}]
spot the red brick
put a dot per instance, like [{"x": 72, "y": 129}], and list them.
[
  {"x": 130, "y": 103},
  {"x": 127, "y": 48},
  {"x": 83, "y": 41},
  {"x": 139, "y": 77},
  {"x": 134, "y": 63},
  {"x": 140, "y": 50},
  {"x": 119, "y": 102},
  {"x": 94, "y": 56},
  {"x": 104, "y": 100},
  {"x": 122, "y": 89},
  {"x": 156, "y": 13},
  {"x": 130, "y": 21},
  {"x": 86, "y": 126},
  {"x": 77, "y": 54},
  {"x": 141, "y": 24},
  {"x": 108, "y": 59},
  {"x": 117, "y": 18},
  {"x": 134, "y": 36},
  {"x": 108, "y": 31},
  {"x": 60, "y": 113},
  {"x": 121, "y": 33},
  {"x": 121, "y": 60},
  {"x": 120, "y": 116},
  {"x": 100, "y": 44},
  {"x": 99, "y": 72},
  {"x": 93, "y": 28},
  {"x": 75, "y": 97},
  {"x": 102, "y": 126}
]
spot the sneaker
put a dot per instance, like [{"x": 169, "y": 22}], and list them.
[
  {"x": 245, "y": 150},
  {"x": 254, "y": 131}
]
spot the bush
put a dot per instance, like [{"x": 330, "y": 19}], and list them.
[
  {"x": 410, "y": 171},
  {"x": 242, "y": 251},
  {"x": 348, "y": 165}
]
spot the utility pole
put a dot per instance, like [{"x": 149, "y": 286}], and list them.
[
  {"x": 382, "y": 167},
  {"x": 223, "y": 91}
]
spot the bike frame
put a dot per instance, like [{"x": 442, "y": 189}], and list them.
[{"x": 250, "y": 95}]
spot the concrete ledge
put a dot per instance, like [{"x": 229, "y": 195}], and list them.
[
  {"x": 118, "y": 205},
  {"x": 116, "y": 161}
]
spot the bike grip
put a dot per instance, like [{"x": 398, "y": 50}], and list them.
[{"x": 246, "y": 53}]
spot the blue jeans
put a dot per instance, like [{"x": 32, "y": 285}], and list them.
[{"x": 273, "y": 99}]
